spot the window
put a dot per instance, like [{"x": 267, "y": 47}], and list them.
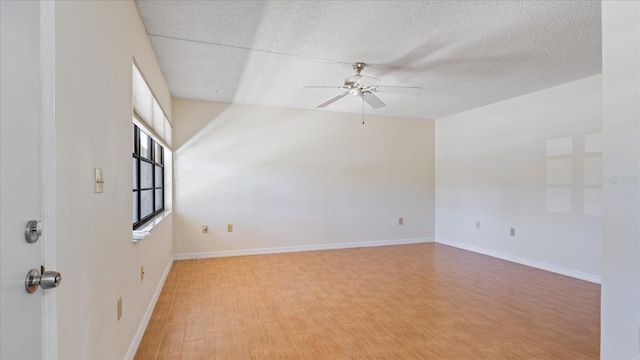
[
  {"x": 148, "y": 177},
  {"x": 151, "y": 153}
]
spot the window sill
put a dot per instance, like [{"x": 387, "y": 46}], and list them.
[{"x": 150, "y": 225}]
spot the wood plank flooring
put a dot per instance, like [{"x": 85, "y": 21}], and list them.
[{"x": 423, "y": 301}]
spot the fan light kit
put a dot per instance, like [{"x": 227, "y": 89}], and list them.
[{"x": 365, "y": 86}]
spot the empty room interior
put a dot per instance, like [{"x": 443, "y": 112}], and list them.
[{"x": 337, "y": 180}]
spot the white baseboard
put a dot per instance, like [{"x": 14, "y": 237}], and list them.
[
  {"x": 137, "y": 338},
  {"x": 524, "y": 261},
  {"x": 287, "y": 249}
]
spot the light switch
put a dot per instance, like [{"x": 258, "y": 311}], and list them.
[{"x": 99, "y": 181}]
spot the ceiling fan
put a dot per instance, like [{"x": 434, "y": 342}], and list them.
[{"x": 365, "y": 87}]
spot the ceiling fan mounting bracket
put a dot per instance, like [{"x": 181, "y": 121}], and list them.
[{"x": 358, "y": 67}]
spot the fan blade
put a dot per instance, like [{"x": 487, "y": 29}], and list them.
[
  {"x": 405, "y": 90},
  {"x": 363, "y": 80},
  {"x": 372, "y": 100},
  {"x": 332, "y": 100},
  {"x": 323, "y": 87}
]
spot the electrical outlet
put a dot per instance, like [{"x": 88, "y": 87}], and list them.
[
  {"x": 205, "y": 229},
  {"x": 477, "y": 224},
  {"x": 513, "y": 231},
  {"x": 119, "y": 307},
  {"x": 141, "y": 273},
  {"x": 230, "y": 228},
  {"x": 400, "y": 221}
]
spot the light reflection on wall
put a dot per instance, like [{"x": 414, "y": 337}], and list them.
[
  {"x": 574, "y": 174},
  {"x": 559, "y": 174}
]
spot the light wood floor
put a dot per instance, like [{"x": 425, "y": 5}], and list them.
[{"x": 421, "y": 301}]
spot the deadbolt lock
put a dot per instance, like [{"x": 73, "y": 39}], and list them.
[{"x": 32, "y": 231}]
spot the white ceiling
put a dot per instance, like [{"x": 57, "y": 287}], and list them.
[{"x": 465, "y": 54}]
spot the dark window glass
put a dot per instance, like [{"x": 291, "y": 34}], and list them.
[
  {"x": 146, "y": 175},
  {"x": 148, "y": 178},
  {"x": 135, "y": 206},
  {"x": 157, "y": 153},
  {"x": 158, "y": 175},
  {"x": 158, "y": 199},
  {"x": 135, "y": 173},
  {"x": 145, "y": 148},
  {"x": 146, "y": 203}
]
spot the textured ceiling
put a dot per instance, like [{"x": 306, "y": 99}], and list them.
[{"x": 464, "y": 54}]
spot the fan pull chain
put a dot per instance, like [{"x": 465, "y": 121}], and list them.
[{"x": 363, "y": 110}]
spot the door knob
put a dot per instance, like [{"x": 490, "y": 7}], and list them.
[{"x": 48, "y": 280}]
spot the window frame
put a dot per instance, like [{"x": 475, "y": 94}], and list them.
[{"x": 156, "y": 159}]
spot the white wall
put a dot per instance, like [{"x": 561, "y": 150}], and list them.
[
  {"x": 621, "y": 124},
  {"x": 95, "y": 43},
  {"x": 492, "y": 166},
  {"x": 286, "y": 177}
]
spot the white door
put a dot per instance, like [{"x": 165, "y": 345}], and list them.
[{"x": 21, "y": 171}]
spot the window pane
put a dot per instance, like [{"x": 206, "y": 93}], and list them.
[
  {"x": 144, "y": 145},
  {"x": 158, "y": 176},
  {"x": 146, "y": 203},
  {"x": 135, "y": 206},
  {"x": 158, "y": 199},
  {"x": 135, "y": 173},
  {"x": 146, "y": 180},
  {"x": 157, "y": 153},
  {"x": 135, "y": 149}
]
